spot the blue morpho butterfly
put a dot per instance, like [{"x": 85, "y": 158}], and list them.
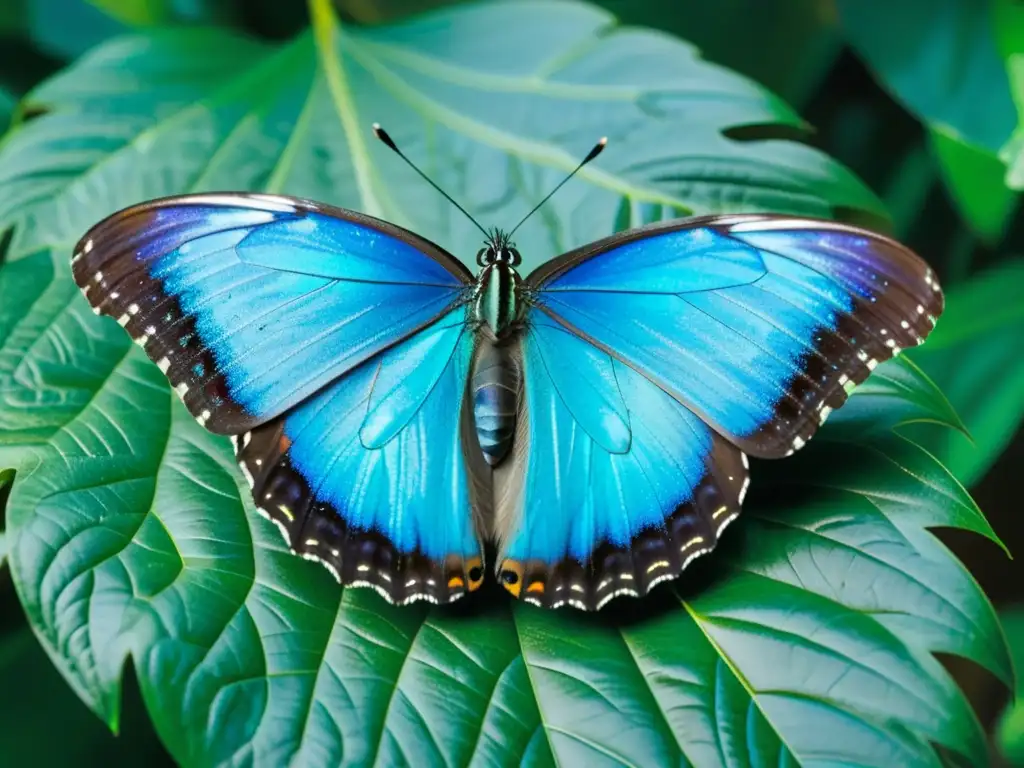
[{"x": 392, "y": 411}]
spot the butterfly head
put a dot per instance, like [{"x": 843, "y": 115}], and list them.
[{"x": 498, "y": 247}]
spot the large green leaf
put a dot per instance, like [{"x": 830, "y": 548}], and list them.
[
  {"x": 974, "y": 356},
  {"x": 496, "y": 128},
  {"x": 803, "y": 34},
  {"x": 806, "y": 639},
  {"x": 941, "y": 60}
]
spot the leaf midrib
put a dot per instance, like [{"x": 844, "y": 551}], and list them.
[{"x": 740, "y": 677}]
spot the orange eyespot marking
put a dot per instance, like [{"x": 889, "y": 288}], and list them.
[
  {"x": 536, "y": 586},
  {"x": 475, "y": 572},
  {"x": 512, "y": 577},
  {"x": 284, "y": 443},
  {"x": 455, "y": 582}
]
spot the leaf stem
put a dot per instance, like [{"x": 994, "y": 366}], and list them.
[{"x": 325, "y": 29}]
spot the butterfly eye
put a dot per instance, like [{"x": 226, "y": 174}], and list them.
[
  {"x": 481, "y": 257},
  {"x": 515, "y": 257}
]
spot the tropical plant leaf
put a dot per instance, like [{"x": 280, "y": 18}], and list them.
[
  {"x": 497, "y": 131},
  {"x": 147, "y": 12},
  {"x": 897, "y": 394},
  {"x": 82, "y": 25},
  {"x": 44, "y": 699},
  {"x": 942, "y": 59},
  {"x": 974, "y": 178},
  {"x": 807, "y": 637},
  {"x": 974, "y": 357},
  {"x": 1010, "y": 728}
]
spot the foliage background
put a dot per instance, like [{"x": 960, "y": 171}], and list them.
[{"x": 922, "y": 99}]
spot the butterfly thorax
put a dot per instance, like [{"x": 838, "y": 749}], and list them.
[{"x": 496, "y": 305}]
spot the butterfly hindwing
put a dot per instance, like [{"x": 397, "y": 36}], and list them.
[
  {"x": 372, "y": 478},
  {"x": 251, "y": 303},
  {"x": 758, "y": 324},
  {"x": 613, "y": 485}
]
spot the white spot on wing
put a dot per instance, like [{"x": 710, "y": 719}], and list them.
[{"x": 164, "y": 365}]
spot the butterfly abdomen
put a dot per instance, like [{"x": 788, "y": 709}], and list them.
[{"x": 495, "y": 388}]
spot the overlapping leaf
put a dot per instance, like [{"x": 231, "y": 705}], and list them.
[
  {"x": 943, "y": 60},
  {"x": 806, "y": 639},
  {"x": 975, "y": 359},
  {"x": 1010, "y": 728}
]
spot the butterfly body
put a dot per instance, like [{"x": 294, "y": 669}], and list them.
[{"x": 392, "y": 411}]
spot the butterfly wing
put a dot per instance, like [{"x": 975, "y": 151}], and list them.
[
  {"x": 251, "y": 303},
  {"x": 654, "y": 361},
  {"x": 369, "y": 476},
  {"x": 334, "y": 348},
  {"x": 758, "y": 324}
]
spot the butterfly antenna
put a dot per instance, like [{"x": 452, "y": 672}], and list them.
[
  {"x": 381, "y": 134},
  {"x": 598, "y": 148}
]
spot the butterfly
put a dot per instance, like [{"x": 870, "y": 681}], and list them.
[{"x": 394, "y": 411}]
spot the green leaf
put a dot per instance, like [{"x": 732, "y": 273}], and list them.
[
  {"x": 50, "y": 726},
  {"x": 898, "y": 393},
  {"x": 12, "y": 16},
  {"x": 974, "y": 357},
  {"x": 241, "y": 115},
  {"x": 1010, "y": 727},
  {"x": 149, "y": 12},
  {"x": 136, "y": 12},
  {"x": 974, "y": 178},
  {"x": 807, "y": 637},
  {"x": 803, "y": 33},
  {"x": 82, "y": 25},
  {"x": 939, "y": 58}
]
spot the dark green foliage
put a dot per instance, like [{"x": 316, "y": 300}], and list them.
[{"x": 808, "y": 638}]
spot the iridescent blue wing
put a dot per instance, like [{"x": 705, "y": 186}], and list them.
[
  {"x": 251, "y": 303},
  {"x": 757, "y": 324},
  {"x": 334, "y": 347},
  {"x": 654, "y": 360},
  {"x": 371, "y": 476},
  {"x": 613, "y": 485}
]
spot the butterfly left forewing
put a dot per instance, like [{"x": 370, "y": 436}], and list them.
[{"x": 251, "y": 303}]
